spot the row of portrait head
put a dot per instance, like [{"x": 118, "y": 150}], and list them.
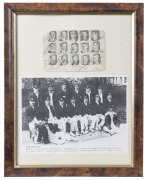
[
  {"x": 83, "y": 47},
  {"x": 76, "y": 59},
  {"x": 74, "y": 35}
]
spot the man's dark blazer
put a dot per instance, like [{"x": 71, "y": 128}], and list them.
[
  {"x": 72, "y": 110},
  {"x": 78, "y": 97},
  {"x": 65, "y": 96},
  {"x": 109, "y": 104},
  {"x": 61, "y": 112},
  {"x": 44, "y": 112},
  {"x": 31, "y": 113},
  {"x": 108, "y": 121},
  {"x": 85, "y": 109},
  {"x": 97, "y": 108},
  {"x": 91, "y": 97},
  {"x": 45, "y": 95},
  {"x": 38, "y": 101}
]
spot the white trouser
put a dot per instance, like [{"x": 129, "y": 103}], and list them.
[
  {"x": 93, "y": 121},
  {"x": 74, "y": 123},
  {"x": 84, "y": 122},
  {"x": 63, "y": 122}
]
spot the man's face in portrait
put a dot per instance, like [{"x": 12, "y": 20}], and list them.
[{"x": 85, "y": 60}]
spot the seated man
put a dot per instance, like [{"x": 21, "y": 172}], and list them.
[
  {"x": 98, "y": 112},
  {"x": 36, "y": 126},
  {"x": 61, "y": 114},
  {"x": 47, "y": 114},
  {"x": 73, "y": 114},
  {"x": 86, "y": 113},
  {"x": 112, "y": 122}
]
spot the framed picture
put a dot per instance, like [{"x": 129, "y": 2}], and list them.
[{"x": 73, "y": 89}]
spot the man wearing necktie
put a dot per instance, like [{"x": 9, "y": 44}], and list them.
[
  {"x": 64, "y": 94},
  {"x": 77, "y": 94},
  {"x": 47, "y": 113},
  {"x": 100, "y": 93},
  {"x": 86, "y": 116},
  {"x": 36, "y": 95},
  {"x": 51, "y": 95},
  {"x": 89, "y": 94}
]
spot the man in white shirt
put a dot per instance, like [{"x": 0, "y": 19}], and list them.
[
  {"x": 89, "y": 94},
  {"x": 100, "y": 93},
  {"x": 36, "y": 95},
  {"x": 63, "y": 47},
  {"x": 63, "y": 36},
  {"x": 52, "y": 36},
  {"x": 50, "y": 93},
  {"x": 95, "y": 35}
]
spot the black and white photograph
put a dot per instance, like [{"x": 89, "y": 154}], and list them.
[
  {"x": 63, "y": 47},
  {"x": 63, "y": 36},
  {"x": 84, "y": 47},
  {"x": 74, "y": 115},
  {"x": 64, "y": 60},
  {"x": 74, "y": 48},
  {"x": 75, "y": 59},
  {"x": 96, "y": 59},
  {"x": 52, "y": 36},
  {"x": 85, "y": 59},
  {"x": 95, "y": 46},
  {"x": 52, "y": 48},
  {"x": 84, "y": 35},
  {"x": 95, "y": 35},
  {"x": 76, "y": 44},
  {"x": 73, "y": 35},
  {"x": 53, "y": 59}
]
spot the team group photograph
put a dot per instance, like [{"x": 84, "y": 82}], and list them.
[{"x": 60, "y": 110}]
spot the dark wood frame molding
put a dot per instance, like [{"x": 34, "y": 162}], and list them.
[{"x": 11, "y": 9}]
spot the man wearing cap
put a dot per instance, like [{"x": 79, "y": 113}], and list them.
[
  {"x": 36, "y": 95},
  {"x": 37, "y": 129},
  {"x": 109, "y": 102},
  {"x": 61, "y": 112},
  {"x": 47, "y": 113},
  {"x": 73, "y": 113},
  {"x": 86, "y": 113},
  {"x": 98, "y": 112},
  {"x": 112, "y": 122}
]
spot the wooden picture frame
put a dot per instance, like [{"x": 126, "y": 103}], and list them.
[{"x": 10, "y": 12}]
